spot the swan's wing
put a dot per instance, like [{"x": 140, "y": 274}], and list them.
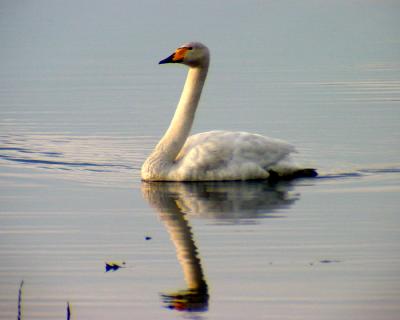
[{"x": 230, "y": 155}]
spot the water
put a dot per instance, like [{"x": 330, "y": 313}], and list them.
[{"x": 82, "y": 103}]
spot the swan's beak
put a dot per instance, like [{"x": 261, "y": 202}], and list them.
[
  {"x": 176, "y": 57},
  {"x": 170, "y": 59}
]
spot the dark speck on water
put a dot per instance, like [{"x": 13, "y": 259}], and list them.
[
  {"x": 113, "y": 266},
  {"x": 329, "y": 261}
]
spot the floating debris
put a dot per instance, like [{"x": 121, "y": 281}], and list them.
[
  {"x": 114, "y": 266},
  {"x": 329, "y": 261},
  {"x": 147, "y": 238}
]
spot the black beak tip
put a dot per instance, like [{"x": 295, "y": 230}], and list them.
[{"x": 167, "y": 60}]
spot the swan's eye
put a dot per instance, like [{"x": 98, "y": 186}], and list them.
[{"x": 190, "y": 48}]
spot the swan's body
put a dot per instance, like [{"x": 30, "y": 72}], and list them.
[{"x": 214, "y": 155}]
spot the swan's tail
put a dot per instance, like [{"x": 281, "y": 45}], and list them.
[{"x": 291, "y": 175}]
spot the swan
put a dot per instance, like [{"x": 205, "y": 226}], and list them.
[{"x": 213, "y": 155}]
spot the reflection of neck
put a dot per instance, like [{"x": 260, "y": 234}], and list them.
[
  {"x": 195, "y": 297},
  {"x": 182, "y": 237}
]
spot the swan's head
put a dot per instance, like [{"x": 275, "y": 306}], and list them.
[{"x": 192, "y": 54}]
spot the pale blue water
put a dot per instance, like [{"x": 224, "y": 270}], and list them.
[{"x": 82, "y": 103}]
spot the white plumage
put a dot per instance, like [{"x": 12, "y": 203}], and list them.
[
  {"x": 214, "y": 155},
  {"x": 225, "y": 155}
]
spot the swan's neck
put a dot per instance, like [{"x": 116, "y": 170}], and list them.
[{"x": 174, "y": 138}]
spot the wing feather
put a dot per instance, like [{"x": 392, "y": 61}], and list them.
[{"x": 230, "y": 155}]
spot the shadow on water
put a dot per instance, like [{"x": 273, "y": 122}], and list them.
[{"x": 176, "y": 202}]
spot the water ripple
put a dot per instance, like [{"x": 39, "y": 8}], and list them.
[
  {"x": 76, "y": 157},
  {"x": 111, "y": 159}
]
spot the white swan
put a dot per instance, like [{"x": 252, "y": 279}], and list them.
[{"x": 214, "y": 155}]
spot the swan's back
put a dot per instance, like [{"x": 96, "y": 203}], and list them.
[{"x": 225, "y": 155}]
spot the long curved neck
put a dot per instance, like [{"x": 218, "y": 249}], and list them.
[{"x": 174, "y": 138}]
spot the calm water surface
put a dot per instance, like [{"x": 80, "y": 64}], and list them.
[{"x": 82, "y": 103}]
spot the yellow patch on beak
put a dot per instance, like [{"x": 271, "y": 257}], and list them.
[{"x": 180, "y": 54}]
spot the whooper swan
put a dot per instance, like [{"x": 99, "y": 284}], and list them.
[{"x": 214, "y": 155}]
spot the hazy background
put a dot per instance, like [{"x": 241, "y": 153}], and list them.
[{"x": 96, "y": 61}]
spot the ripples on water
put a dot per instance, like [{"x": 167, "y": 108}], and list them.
[
  {"x": 110, "y": 159},
  {"x": 91, "y": 159},
  {"x": 59, "y": 240}
]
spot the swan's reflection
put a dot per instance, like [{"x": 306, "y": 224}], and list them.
[
  {"x": 175, "y": 201},
  {"x": 232, "y": 201},
  {"x": 195, "y": 297}
]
